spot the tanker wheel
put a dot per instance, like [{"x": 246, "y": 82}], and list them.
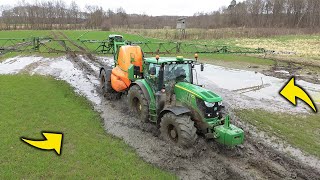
[
  {"x": 105, "y": 85},
  {"x": 178, "y": 129},
  {"x": 138, "y": 103}
]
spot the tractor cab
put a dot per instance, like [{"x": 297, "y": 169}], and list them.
[{"x": 163, "y": 73}]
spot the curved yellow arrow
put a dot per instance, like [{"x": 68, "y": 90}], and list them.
[
  {"x": 53, "y": 142},
  {"x": 291, "y": 91}
]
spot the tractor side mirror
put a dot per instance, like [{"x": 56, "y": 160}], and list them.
[{"x": 201, "y": 66}]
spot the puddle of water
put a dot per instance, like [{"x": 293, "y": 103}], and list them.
[
  {"x": 63, "y": 69},
  {"x": 60, "y": 68},
  {"x": 233, "y": 79},
  {"x": 14, "y": 65}
]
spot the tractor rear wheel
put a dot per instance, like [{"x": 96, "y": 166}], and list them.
[
  {"x": 138, "y": 103},
  {"x": 105, "y": 85},
  {"x": 178, "y": 129}
]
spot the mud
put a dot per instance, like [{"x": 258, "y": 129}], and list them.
[
  {"x": 14, "y": 65},
  {"x": 301, "y": 72},
  {"x": 255, "y": 159}
]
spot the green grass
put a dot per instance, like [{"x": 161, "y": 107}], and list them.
[
  {"x": 31, "y": 104},
  {"x": 24, "y": 33},
  {"x": 103, "y": 35},
  {"x": 300, "y": 131}
]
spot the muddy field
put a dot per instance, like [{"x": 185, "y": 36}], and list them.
[{"x": 257, "y": 158}]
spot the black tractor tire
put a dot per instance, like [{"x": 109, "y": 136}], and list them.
[
  {"x": 178, "y": 129},
  {"x": 105, "y": 85},
  {"x": 138, "y": 103}
]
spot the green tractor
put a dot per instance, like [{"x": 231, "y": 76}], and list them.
[{"x": 163, "y": 91}]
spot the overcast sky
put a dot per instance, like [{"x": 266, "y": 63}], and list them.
[{"x": 150, "y": 7}]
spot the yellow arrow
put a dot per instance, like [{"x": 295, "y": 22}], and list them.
[
  {"x": 291, "y": 91},
  {"x": 53, "y": 142}
]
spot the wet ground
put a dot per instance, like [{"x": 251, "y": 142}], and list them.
[
  {"x": 258, "y": 158},
  {"x": 244, "y": 89}
]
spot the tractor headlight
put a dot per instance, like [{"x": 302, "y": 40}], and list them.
[{"x": 208, "y": 104}]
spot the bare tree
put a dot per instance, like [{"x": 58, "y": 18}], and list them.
[{"x": 48, "y": 14}]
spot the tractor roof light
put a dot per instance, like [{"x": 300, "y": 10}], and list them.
[
  {"x": 180, "y": 58},
  {"x": 157, "y": 57},
  {"x": 196, "y": 56}
]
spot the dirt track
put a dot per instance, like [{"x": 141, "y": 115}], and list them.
[{"x": 256, "y": 159}]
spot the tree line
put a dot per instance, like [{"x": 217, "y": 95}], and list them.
[
  {"x": 263, "y": 13},
  {"x": 250, "y": 13}
]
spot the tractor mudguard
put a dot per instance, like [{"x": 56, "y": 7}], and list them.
[
  {"x": 177, "y": 110},
  {"x": 143, "y": 88}
]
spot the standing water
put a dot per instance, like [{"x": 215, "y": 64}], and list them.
[{"x": 252, "y": 84}]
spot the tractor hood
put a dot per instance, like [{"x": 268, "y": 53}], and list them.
[{"x": 198, "y": 91}]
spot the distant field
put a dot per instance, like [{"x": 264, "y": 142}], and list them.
[
  {"x": 73, "y": 34},
  {"x": 102, "y": 35},
  {"x": 305, "y": 48},
  {"x": 88, "y": 152},
  {"x": 301, "y": 45},
  {"x": 221, "y": 33}
]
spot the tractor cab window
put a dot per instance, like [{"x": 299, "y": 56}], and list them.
[
  {"x": 153, "y": 70},
  {"x": 152, "y": 73},
  {"x": 178, "y": 73}
]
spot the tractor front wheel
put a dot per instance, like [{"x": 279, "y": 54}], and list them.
[
  {"x": 178, "y": 129},
  {"x": 138, "y": 103}
]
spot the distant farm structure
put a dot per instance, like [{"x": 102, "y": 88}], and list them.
[{"x": 181, "y": 27}]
